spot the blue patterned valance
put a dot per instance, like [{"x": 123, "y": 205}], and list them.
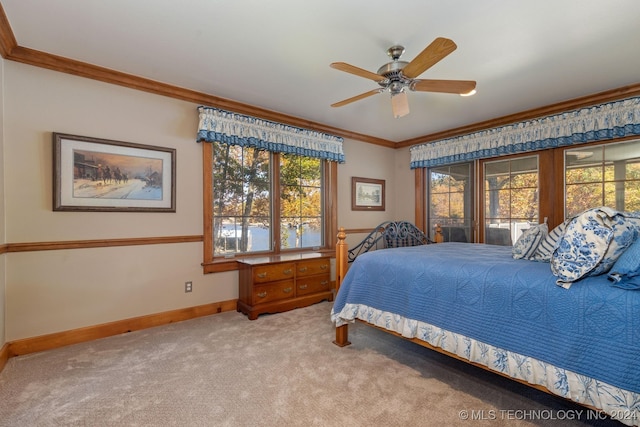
[
  {"x": 237, "y": 129},
  {"x": 605, "y": 121}
]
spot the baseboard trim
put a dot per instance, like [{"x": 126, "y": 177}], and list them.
[
  {"x": 4, "y": 355},
  {"x": 76, "y": 336}
]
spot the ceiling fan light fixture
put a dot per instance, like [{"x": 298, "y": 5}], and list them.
[
  {"x": 399, "y": 104},
  {"x": 397, "y": 77}
]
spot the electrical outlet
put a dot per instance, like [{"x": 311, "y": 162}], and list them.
[{"x": 188, "y": 286}]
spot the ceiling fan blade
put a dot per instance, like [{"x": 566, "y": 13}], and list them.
[
  {"x": 343, "y": 66},
  {"x": 436, "y": 51},
  {"x": 446, "y": 86},
  {"x": 356, "y": 98}
]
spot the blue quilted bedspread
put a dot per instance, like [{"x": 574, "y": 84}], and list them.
[{"x": 480, "y": 291}]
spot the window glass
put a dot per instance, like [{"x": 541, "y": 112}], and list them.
[
  {"x": 518, "y": 191},
  {"x": 241, "y": 200},
  {"x": 450, "y": 201},
  {"x": 247, "y": 218},
  {"x": 510, "y": 198},
  {"x": 300, "y": 202},
  {"x": 602, "y": 175}
]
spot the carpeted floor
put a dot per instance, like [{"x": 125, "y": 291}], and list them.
[{"x": 278, "y": 370}]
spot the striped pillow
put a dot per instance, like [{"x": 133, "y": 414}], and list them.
[{"x": 550, "y": 243}]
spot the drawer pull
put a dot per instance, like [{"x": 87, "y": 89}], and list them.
[
  {"x": 324, "y": 282},
  {"x": 287, "y": 290},
  {"x": 304, "y": 286},
  {"x": 262, "y": 275},
  {"x": 262, "y": 294},
  {"x": 302, "y": 269},
  {"x": 324, "y": 267},
  {"x": 287, "y": 271}
]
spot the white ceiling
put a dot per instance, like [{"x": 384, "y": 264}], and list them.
[{"x": 275, "y": 54}]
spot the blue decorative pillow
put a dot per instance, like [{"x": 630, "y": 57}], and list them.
[
  {"x": 526, "y": 245},
  {"x": 591, "y": 244},
  {"x": 625, "y": 273}
]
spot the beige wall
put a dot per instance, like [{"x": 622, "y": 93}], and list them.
[
  {"x": 404, "y": 189},
  {"x": 39, "y": 102},
  {"x": 2, "y": 214},
  {"x": 366, "y": 161},
  {"x": 52, "y": 291},
  {"x": 373, "y": 161}
]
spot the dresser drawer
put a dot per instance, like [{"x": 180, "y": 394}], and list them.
[
  {"x": 312, "y": 284},
  {"x": 272, "y": 272},
  {"x": 273, "y": 291},
  {"x": 313, "y": 267}
]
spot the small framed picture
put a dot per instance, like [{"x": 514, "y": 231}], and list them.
[
  {"x": 367, "y": 194},
  {"x": 91, "y": 174}
]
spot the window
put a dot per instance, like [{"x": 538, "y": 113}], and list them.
[
  {"x": 245, "y": 215},
  {"x": 450, "y": 204},
  {"x": 570, "y": 171},
  {"x": 244, "y": 218},
  {"x": 269, "y": 188},
  {"x": 521, "y": 190},
  {"x": 602, "y": 175},
  {"x": 510, "y": 198}
]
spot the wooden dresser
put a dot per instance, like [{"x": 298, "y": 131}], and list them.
[{"x": 279, "y": 283}]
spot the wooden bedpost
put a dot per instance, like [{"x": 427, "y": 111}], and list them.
[
  {"x": 342, "y": 250},
  {"x": 439, "y": 238}
]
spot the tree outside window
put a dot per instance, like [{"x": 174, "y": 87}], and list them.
[
  {"x": 247, "y": 218},
  {"x": 604, "y": 175}
]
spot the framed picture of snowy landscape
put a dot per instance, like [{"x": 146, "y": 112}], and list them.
[{"x": 91, "y": 174}]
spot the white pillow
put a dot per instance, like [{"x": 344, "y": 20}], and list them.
[{"x": 526, "y": 245}]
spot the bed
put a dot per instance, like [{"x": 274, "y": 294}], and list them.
[{"x": 477, "y": 303}]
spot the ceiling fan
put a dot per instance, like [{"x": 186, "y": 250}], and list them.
[{"x": 397, "y": 76}]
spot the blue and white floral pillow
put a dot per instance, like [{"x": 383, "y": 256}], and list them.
[
  {"x": 592, "y": 242},
  {"x": 527, "y": 244}
]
